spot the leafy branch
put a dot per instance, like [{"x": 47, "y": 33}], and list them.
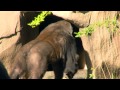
[{"x": 40, "y": 18}]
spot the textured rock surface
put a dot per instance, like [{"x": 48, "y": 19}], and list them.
[
  {"x": 14, "y": 33},
  {"x": 79, "y": 19},
  {"x": 103, "y": 48}
]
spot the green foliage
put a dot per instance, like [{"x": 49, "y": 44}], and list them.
[
  {"x": 91, "y": 75},
  {"x": 40, "y": 18},
  {"x": 85, "y": 31},
  {"x": 91, "y": 28}
]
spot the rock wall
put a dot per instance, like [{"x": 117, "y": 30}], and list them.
[
  {"x": 103, "y": 48},
  {"x": 14, "y": 33}
]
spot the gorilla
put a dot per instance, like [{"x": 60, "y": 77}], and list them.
[
  {"x": 80, "y": 50},
  {"x": 54, "y": 46}
]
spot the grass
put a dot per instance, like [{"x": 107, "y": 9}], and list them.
[{"x": 105, "y": 72}]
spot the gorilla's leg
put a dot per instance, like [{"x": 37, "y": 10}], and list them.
[
  {"x": 37, "y": 65},
  {"x": 58, "y": 69},
  {"x": 16, "y": 72},
  {"x": 19, "y": 66}
]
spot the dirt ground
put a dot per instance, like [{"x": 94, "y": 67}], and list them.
[{"x": 81, "y": 74}]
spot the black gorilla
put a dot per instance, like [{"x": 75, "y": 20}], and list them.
[
  {"x": 80, "y": 50},
  {"x": 55, "y": 46}
]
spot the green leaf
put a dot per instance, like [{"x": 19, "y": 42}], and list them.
[{"x": 39, "y": 19}]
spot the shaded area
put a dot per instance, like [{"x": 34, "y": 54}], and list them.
[
  {"x": 48, "y": 20},
  {"x": 3, "y": 72},
  {"x": 27, "y": 31},
  {"x": 80, "y": 49},
  {"x": 89, "y": 65}
]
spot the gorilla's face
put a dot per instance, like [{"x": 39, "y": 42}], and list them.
[
  {"x": 71, "y": 67},
  {"x": 71, "y": 72}
]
